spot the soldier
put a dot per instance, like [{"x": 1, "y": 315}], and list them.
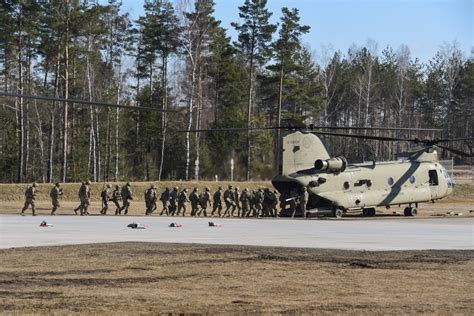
[
  {"x": 127, "y": 196},
  {"x": 79, "y": 194},
  {"x": 116, "y": 198},
  {"x": 292, "y": 201},
  {"x": 303, "y": 199},
  {"x": 245, "y": 202},
  {"x": 217, "y": 203},
  {"x": 258, "y": 200},
  {"x": 55, "y": 194},
  {"x": 237, "y": 201},
  {"x": 266, "y": 202},
  {"x": 182, "y": 200},
  {"x": 274, "y": 202},
  {"x": 165, "y": 199},
  {"x": 204, "y": 201},
  {"x": 229, "y": 201},
  {"x": 105, "y": 196},
  {"x": 84, "y": 197},
  {"x": 30, "y": 196},
  {"x": 150, "y": 199},
  {"x": 194, "y": 199},
  {"x": 174, "y": 201}
]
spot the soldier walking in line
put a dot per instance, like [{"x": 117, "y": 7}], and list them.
[
  {"x": 174, "y": 201},
  {"x": 182, "y": 200},
  {"x": 204, "y": 201},
  {"x": 150, "y": 199},
  {"x": 258, "y": 200},
  {"x": 30, "y": 196},
  {"x": 303, "y": 199},
  {"x": 237, "y": 201},
  {"x": 292, "y": 201},
  {"x": 165, "y": 200},
  {"x": 55, "y": 194},
  {"x": 229, "y": 201},
  {"x": 116, "y": 198},
  {"x": 79, "y": 194},
  {"x": 127, "y": 196},
  {"x": 274, "y": 203},
  {"x": 105, "y": 196},
  {"x": 84, "y": 197},
  {"x": 194, "y": 199},
  {"x": 217, "y": 202},
  {"x": 266, "y": 202},
  {"x": 245, "y": 202}
]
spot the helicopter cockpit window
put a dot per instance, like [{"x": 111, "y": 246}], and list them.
[
  {"x": 433, "y": 175},
  {"x": 390, "y": 181},
  {"x": 412, "y": 179}
]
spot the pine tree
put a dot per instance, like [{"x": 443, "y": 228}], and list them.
[{"x": 254, "y": 39}]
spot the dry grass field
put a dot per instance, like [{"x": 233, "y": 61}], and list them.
[{"x": 146, "y": 278}]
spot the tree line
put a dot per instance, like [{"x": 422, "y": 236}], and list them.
[{"x": 178, "y": 56}]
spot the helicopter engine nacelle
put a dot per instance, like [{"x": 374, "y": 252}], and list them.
[{"x": 332, "y": 165}]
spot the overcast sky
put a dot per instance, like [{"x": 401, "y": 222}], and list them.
[{"x": 423, "y": 25}]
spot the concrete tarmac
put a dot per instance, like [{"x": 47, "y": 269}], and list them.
[{"x": 354, "y": 234}]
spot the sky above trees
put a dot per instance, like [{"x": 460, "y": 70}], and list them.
[{"x": 422, "y": 25}]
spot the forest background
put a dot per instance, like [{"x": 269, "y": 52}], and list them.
[{"x": 178, "y": 56}]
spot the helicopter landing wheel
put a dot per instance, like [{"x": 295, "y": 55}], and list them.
[
  {"x": 366, "y": 212},
  {"x": 337, "y": 213},
  {"x": 410, "y": 211}
]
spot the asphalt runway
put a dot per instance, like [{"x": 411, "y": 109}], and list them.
[{"x": 360, "y": 234}]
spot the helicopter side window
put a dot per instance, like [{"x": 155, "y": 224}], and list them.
[{"x": 433, "y": 175}]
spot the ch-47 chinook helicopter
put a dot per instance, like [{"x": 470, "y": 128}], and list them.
[{"x": 336, "y": 186}]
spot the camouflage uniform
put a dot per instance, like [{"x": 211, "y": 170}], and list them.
[
  {"x": 245, "y": 202},
  {"x": 182, "y": 200},
  {"x": 237, "y": 201},
  {"x": 174, "y": 201},
  {"x": 274, "y": 202},
  {"x": 85, "y": 198},
  {"x": 258, "y": 200},
  {"x": 165, "y": 200},
  {"x": 105, "y": 196},
  {"x": 229, "y": 201},
  {"x": 204, "y": 201},
  {"x": 55, "y": 194},
  {"x": 30, "y": 196},
  {"x": 194, "y": 199},
  {"x": 303, "y": 199},
  {"x": 127, "y": 196},
  {"x": 150, "y": 199},
  {"x": 266, "y": 203},
  {"x": 217, "y": 202},
  {"x": 116, "y": 198}
]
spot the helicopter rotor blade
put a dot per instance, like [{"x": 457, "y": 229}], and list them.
[
  {"x": 395, "y": 139},
  {"x": 454, "y": 140},
  {"x": 84, "y": 102},
  {"x": 458, "y": 152}
]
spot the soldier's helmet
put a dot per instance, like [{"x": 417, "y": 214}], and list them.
[
  {"x": 207, "y": 189},
  {"x": 176, "y": 188},
  {"x": 108, "y": 185},
  {"x": 88, "y": 182},
  {"x": 117, "y": 186},
  {"x": 128, "y": 184},
  {"x": 167, "y": 189},
  {"x": 230, "y": 187},
  {"x": 195, "y": 189},
  {"x": 260, "y": 190},
  {"x": 219, "y": 188},
  {"x": 246, "y": 190},
  {"x": 266, "y": 190},
  {"x": 153, "y": 186},
  {"x": 236, "y": 188},
  {"x": 35, "y": 184},
  {"x": 303, "y": 189},
  {"x": 185, "y": 190},
  {"x": 57, "y": 184}
]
